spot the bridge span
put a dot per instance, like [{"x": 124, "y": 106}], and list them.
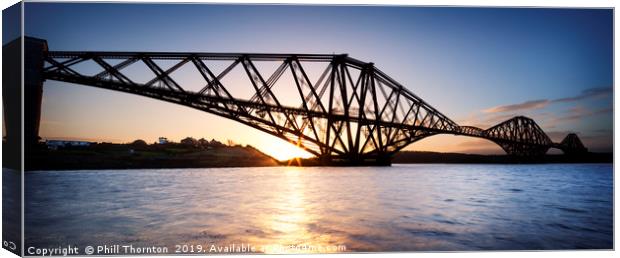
[{"x": 343, "y": 110}]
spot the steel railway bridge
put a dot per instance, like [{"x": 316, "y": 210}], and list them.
[{"x": 346, "y": 111}]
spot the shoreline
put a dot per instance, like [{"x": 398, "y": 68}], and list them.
[
  {"x": 240, "y": 157},
  {"x": 393, "y": 164}
]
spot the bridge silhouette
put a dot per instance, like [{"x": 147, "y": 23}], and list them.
[{"x": 350, "y": 112}]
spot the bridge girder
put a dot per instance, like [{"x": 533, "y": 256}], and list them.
[
  {"x": 520, "y": 136},
  {"x": 345, "y": 109},
  {"x": 352, "y": 111}
]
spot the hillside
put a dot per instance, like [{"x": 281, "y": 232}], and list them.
[{"x": 126, "y": 156}]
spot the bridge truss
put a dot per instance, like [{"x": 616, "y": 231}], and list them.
[{"x": 333, "y": 106}]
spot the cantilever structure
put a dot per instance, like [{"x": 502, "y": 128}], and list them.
[{"x": 350, "y": 111}]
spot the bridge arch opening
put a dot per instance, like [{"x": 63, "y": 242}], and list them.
[{"x": 449, "y": 143}]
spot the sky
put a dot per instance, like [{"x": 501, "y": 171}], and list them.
[{"x": 478, "y": 66}]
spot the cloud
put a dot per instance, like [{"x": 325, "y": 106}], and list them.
[
  {"x": 542, "y": 103},
  {"x": 588, "y": 93},
  {"x": 485, "y": 121},
  {"x": 578, "y": 114},
  {"x": 603, "y": 111},
  {"x": 532, "y": 104},
  {"x": 498, "y": 118}
]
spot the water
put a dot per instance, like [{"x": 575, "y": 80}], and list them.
[{"x": 398, "y": 208}]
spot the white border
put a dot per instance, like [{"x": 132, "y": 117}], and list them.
[{"x": 473, "y": 3}]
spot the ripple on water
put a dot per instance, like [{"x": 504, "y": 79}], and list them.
[
  {"x": 256, "y": 232},
  {"x": 571, "y": 210},
  {"x": 429, "y": 233},
  {"x": 397, "y": 208},
  {"x": 445, "y": 221},
  {"x": 477, "y": 200},
  {"x": 596, "y": 201},
  {"x": 560, "y": 225}
]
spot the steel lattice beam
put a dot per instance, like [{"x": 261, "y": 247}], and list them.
[{"x": 352, "y": 111}]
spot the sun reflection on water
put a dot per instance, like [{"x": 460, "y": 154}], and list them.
[
  {"x": 290, "y": 218},
  {"x": 290, "y": 215}
]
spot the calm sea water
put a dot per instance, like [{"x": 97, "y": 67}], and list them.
[{"x": 398, "y": 208}]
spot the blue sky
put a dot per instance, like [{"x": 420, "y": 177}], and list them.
[{"x": 478, "y": 66}]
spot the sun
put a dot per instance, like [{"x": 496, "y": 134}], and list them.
[{"x": 283, "y": 150}]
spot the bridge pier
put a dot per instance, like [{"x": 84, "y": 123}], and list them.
[
  {"x": 15, "y": 86},
  {"x": 34, "y": 54},
  {"x": 12, "y": 104}
]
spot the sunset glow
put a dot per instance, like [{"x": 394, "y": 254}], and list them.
[{"x": 281, "y": 150}]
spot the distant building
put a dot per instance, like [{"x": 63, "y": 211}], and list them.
[
  {"x": 163, "y": 140},
  {"x": 55, "y": 144}
]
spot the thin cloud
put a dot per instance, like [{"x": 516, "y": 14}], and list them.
[
  {"x": 532, "y": 104},
  {"x": 498, "y": 118},
  {"x": 584, "y": 113},
  {"x": 603, "y": 111},
  {"x": 542, "y": 103},
  {"x": 588, "y": 93}
]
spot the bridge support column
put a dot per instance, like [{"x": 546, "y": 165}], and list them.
[
  {"x": 383, "y": 160},
  {"x": 16, "y": 89},
  {"x": 12, "y": 104},
  {"x": 34, "y": 53}
]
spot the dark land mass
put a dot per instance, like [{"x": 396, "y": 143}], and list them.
[
  {"x": 136, "y": 156},
  {"x": 422, "y": 157},
  {"x": 192, "y": 153},
  {"x": 436, "y": 157}
]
